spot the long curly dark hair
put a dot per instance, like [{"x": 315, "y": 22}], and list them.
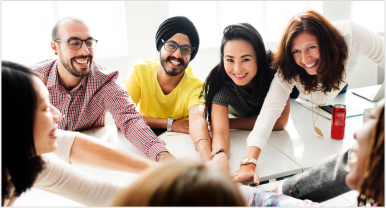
[
  {"x": 332, "y": 46},
  {"x": 217, "y": 77},
  {"x": 19, "y": 160},
  {"x": 372, "y": 185}
]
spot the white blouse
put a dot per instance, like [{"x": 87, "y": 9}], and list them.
[{"x": 360, "y": 42}]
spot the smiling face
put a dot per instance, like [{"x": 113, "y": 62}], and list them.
[
  {"x": 305, "y": 50},
  {"x": 46, "y": 115},
  {"x": 361, "y": 149},
  {"x": 240, "y": 62},
  {"x": 76, "y": 61},
  {"x": 174, "y": 63}
]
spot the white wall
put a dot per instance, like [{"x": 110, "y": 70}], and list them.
[{"x": 143, "y": 19}]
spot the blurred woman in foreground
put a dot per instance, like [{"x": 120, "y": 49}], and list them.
[{"x": 29, "y": 136}]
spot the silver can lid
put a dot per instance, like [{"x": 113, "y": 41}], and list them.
[{"x": 339, "y": 106}]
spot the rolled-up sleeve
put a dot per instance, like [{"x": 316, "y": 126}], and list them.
[{"x": 122, "y": 108}]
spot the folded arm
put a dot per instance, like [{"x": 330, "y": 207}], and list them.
[
  {"x": 249, "y": 122},
  {"x": 180, "y": 126}
]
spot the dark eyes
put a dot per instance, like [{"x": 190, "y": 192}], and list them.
[
  {"x": 231, "y": 60},
  {"x": 309, "y": 48}
]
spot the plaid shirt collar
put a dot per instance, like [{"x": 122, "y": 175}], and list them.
[{"x": 53, "y": 78}]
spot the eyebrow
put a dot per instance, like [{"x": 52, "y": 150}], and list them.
[
  {"x": 314, "y": 43},
  {"x": 76, "y": 38},
  {"x": 178, "y": 44},
  {"x": 240, "y": 57}
]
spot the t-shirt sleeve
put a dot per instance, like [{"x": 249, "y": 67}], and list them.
[
  {"x": 65, "y": 139},
  {"x": 65, "y": 180},
  {"x": 133, "y": 84},
  {"x": 194, "y": 97},
  {"x": 222, "y": 97}
]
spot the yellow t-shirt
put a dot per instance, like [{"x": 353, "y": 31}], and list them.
[{"x": 145, "y": 91}]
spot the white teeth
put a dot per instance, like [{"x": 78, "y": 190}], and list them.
[
  {"x": 311, "y": 65},
  {"x": 175, "y": 62},
  {"x": 240, "y": 75},
  {"x": 81, "y": 61},
  {"x": 53, "y": 133}
]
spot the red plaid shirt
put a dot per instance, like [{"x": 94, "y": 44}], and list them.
[{"x": 85, "y": 106}]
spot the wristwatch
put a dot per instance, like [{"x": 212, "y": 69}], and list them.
[
  {"x": 169, "y": 125},
  {"x": 218, "y": 150},
  {"x": 247, "y": 160}
]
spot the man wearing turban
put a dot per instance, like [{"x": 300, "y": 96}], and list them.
[{"x": 166, "y": 91}]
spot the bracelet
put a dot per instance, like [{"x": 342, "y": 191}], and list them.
[
  {"x": 218, "y": 150},
  {"x": 195, "y": 143}
]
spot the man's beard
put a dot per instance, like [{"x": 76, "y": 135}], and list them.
[
  {"x": 174, "y": 71},
  {"x": 71, "y": 69}
]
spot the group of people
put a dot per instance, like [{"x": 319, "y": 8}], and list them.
[{"x": 249, "y": 89}]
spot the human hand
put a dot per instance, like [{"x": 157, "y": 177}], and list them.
[
  {"x": 163, "y": 156},
  {"x": 117, "y": 125},
  {"x": 246, "y": 173},
  {"x": 181, "y": 126},
  {"x": 220, "y": 159},
  {"x": 274, "y": 190}
]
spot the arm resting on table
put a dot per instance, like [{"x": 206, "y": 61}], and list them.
[
  {"x": 100, "y": 154},
  {"x": 321, "y": 182},
  {"x": 198, "y": 128}
]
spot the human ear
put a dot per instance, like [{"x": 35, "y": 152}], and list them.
[{"x": 54, "y": 47}]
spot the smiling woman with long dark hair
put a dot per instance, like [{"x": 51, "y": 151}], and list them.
[
  {"x": 29, "y": 136},
  {"x": 238, "y": 86}
]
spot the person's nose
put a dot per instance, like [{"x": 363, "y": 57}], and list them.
[
  {"x": 238, "y": 67},
  {"x": 83, "y": 50},
  {"x": 177, "y": 53},
  {"x": 56, "y": 114}
]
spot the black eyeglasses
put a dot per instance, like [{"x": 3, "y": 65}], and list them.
[
  {"x": 77, "y": 43},
  {"x": 171, "y": 47}
]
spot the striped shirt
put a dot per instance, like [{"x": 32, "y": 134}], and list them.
[{"x": 85, "y": 106}]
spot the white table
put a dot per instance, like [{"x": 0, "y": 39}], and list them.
[
  {"x": 300, "y": 142},
  {"x": 287, "y": 152},
  {"x": 271, "y": 164}
]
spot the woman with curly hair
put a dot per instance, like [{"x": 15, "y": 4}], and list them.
[{"x": 319, "y": 58}]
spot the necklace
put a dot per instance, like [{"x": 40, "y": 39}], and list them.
[{"x": 317, "y": 130}]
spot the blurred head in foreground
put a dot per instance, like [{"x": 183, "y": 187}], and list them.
[{"x": 182, "y": 183}]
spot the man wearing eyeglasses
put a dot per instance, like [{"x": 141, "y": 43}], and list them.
[
  {"x": 166, "y": 89},
  {"x": 83, "y": 91}
]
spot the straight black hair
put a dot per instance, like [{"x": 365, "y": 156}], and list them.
[
  {"x": 19, "y": 160},
  {"x": 217, "y": 77}
]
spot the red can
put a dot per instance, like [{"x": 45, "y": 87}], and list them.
[{"x": 338, "y": 121}]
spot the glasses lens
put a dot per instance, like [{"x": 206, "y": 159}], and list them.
[
  {"x": 170, "y": 47},
  {"x": 91, "y": 43},
  {"x": 75, "y": 44},
  {"x": 186, "y": 50}
]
